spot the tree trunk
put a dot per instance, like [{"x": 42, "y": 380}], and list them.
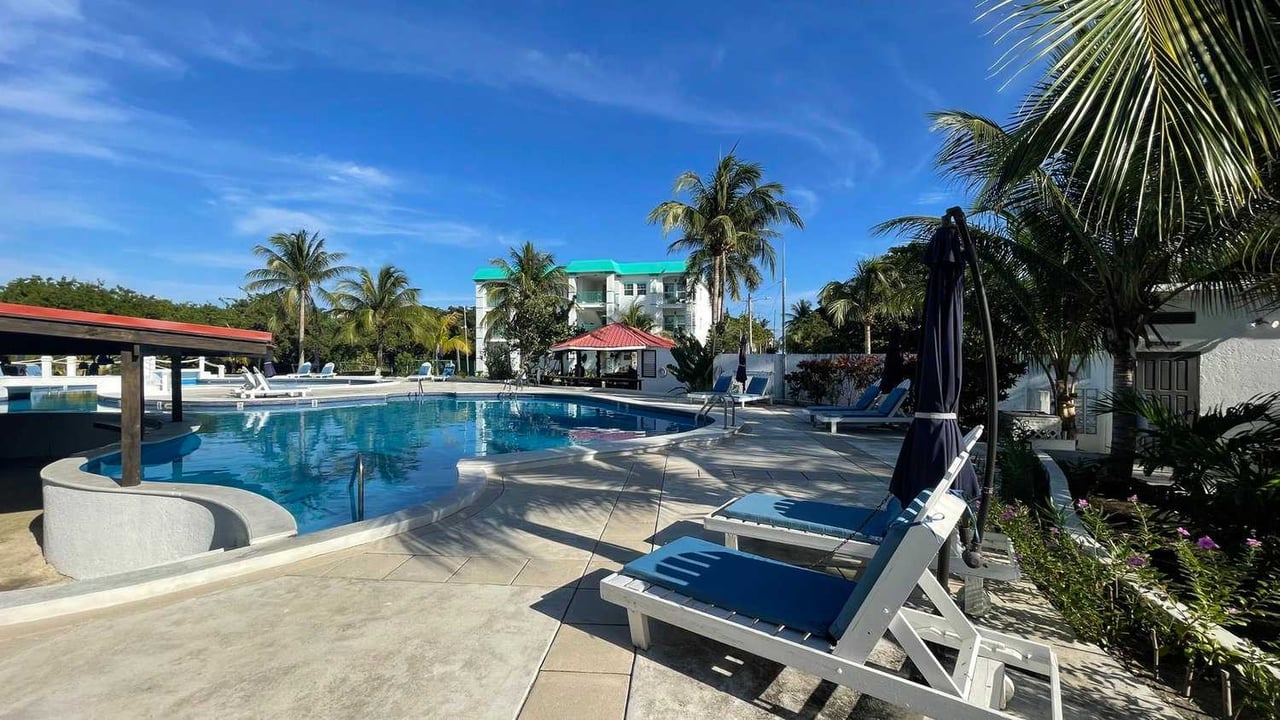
[
  {"x": 1123, "y": 424},
  {"x": 378, "y": 370},
  {"x": 866, "y": 337},
  {"x": 302, "y": 328}
]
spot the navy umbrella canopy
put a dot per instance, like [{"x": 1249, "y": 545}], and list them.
[
  {"x": 893, "y": 373},
  {"x": 741, "y": 375},
  {"x": 933, "y": 438}
]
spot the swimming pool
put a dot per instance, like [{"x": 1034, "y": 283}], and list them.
[
  {"x": 302, "y": 458},
  {"x": 52, "y": 401}
]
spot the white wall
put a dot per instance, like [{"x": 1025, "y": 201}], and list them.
[{"x": 1237, "y": 362}]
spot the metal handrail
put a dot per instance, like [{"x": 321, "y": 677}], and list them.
[
  {"x": 726, "y": 403},
  {"x": 355, "y": 489}
]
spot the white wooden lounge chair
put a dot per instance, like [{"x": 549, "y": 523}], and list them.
[
  {"x": 327, "y": 370},
  {"x": 262, "y": 388},
  {"x": 849, "y": 530},
  {"x": 828, "y": 626},
  {"x": 886, "y": 412},
  {"x": 304, "y": 370}
]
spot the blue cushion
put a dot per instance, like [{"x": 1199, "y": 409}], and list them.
[
  {"x": 756, "y": 385},
  {"x": 757, "y": 587},
  {"x": 721, "y": 384},
  {"x": 844, "y": 521},
  {"x": 868, "y": 396}
]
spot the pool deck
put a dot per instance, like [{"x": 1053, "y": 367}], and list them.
[{"x": 495, "y": 613}]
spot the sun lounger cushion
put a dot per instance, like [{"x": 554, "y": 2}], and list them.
[
  {"x": 813, "y": 516},
  {"x": 875, "y": 568},
  {"x": 721, "y": 384},
  {"x": 867, "y": 397},
  {"x": 756, "y": 385},
  {"x": 747, "y": 584}
]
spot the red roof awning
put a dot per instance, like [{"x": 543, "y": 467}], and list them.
[
  {"x": 615, "y": 336},
  {"x": 36, "y": 329}
]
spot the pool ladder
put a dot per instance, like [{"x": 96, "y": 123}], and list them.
[
  {"x": 513, "y": 386},
  {"x": 355, "y": 489},
  {"x": 726, "y": 402}
]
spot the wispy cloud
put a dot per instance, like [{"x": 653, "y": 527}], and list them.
[
  {"x": 934, "y": 198},
  {"x": 22, "y": 140},
  {"x": 806, "y": 201},
  {"x": 261, "y": 221}
]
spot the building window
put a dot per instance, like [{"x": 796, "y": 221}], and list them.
[
  {"x": 648, "y": 363},
  {"x": 633, "y": 289}
]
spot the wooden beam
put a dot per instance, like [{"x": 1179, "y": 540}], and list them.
[
  {"x": 175, "y": 386},
  {"x": 131, "y": 417}
]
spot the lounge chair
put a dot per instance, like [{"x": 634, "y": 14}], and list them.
[
  {"x": 449, "y": 371},
  {"x": 720, "y": 387},
  {"x": 886, "y": 412},
  {"x": 828, "y": 626},
  {"x": 424, "y": 374},
  {"x": 327, "y": 370},
  {"x": 262, "y": 388},
  {"x": 863, "y": 403},
  {"x": 848, "y": 530},
  {"x": 304, "y": 370},
  {"x": 756, "y": 390}
]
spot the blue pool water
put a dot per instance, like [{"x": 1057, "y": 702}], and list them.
[
  {"x": 302, "y": 457},
  {"x": 53, "y": 401}
]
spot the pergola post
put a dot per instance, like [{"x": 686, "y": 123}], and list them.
[
  {"x": 131, "y": 414},
  {"x": 175, "y": 387}
]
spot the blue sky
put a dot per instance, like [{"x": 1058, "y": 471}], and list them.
[{"x": 153, "y": 145}]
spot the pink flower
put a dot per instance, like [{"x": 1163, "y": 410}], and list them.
[
  {"x": 1082, "y": 503},
  {"x": 1007, "y": 515},
  {"x": 1253, "y": 543},
  {"x": 1133, "y": 498},
  {"x": 1182, "y": 532},
  {"x": 1137, "y": 561},
  {"x": 1053, "y": 531},
  {"x": 1206, "y": 543}
]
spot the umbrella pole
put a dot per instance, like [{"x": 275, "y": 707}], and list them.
[{"x": 973, "y": 553}]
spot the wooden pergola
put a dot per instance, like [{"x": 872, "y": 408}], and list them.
[{"x": 34, "y": 330}]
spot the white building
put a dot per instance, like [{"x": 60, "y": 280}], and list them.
[
  {"x": 601, "y": 290},
  {"x": 1200, "y": 357}
]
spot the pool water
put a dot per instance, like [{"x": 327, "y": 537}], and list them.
[
  {"x": 53, "y": 401},
  {"x": 302, "y": 458}
]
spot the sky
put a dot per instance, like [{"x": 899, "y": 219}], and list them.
[{"x": 154, "y": 144}]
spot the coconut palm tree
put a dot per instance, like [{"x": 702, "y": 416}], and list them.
[
  {"x": 440, "y": 335},
  {"x": 1126, "y": 269},
  {"x": 297, "y": 269},
  {"x": 372, "y": 306},
  {"x": 726, "y": 226},
  {"x": 636, "y": 317},
  {"x": 1161, "y": 107},
  {"x": 530, "y": 306},
  {"x": 872, "y": 294}
]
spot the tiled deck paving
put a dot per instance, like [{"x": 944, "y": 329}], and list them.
[{"x": 495, "y": 613}]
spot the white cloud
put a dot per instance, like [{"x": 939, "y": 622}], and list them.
[
  {"x": 270, "y": 220},
  {"x": 806, "y": 201},
  {"x": 20, "y": 140},
  {"x": 224, "y": 261},
  {"x": 61, "y": 96},
  {"x": 49, "y": 211}
]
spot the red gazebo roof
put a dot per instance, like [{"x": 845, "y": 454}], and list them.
[{"x": 615, "y": 336}]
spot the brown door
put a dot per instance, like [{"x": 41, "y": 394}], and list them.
[{"x": 1171, "y": 378}]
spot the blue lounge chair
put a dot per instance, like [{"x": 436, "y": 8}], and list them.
[
  {"x": 847, "y": 530},
  {"x": 449, "y": 371},
  {"x": 864, "y": 402},
  {"x": 328, "y": 370},
  {"x": 886, "y": 412},
  {"x": 827, "y": 626},
  {"x": 304, "y": 369},
  {"x": 719, "y": 387},
  {"x": 756, "y": 390}
]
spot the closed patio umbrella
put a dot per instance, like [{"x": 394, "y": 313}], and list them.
[
  {"x": 933, "y": 437},
  {"x": 741, "y": 375},
  {"x": 893, "y": 371}
]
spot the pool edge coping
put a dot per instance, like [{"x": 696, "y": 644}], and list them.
[{"x": 50, "y": 602}]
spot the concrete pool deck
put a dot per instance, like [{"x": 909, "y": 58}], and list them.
[{"x": 495, "y": 613}]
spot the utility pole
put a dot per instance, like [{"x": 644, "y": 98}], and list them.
[
  {"x": 751, "y": 339},
  {"x": 784, "y": 317}
]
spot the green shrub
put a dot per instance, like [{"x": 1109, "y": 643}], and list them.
[
  {"x": 497, "y": 358},
  {"x": 695, "y": 363}
]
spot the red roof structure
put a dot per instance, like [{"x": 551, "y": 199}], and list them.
[
  {"x": 615, "y": 336},
  {"x": 36, "y": 329}
]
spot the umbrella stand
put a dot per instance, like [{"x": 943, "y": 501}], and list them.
[{"x": 973, "y": 550}]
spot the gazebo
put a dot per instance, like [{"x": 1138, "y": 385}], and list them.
[
  {"x": 623, "y": 356},
  {"x": 31, "y": 329}
]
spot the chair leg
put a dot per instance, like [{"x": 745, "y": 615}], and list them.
[
  {"x": 731, "y": 541},
  {"x": 639, "y": 629}
]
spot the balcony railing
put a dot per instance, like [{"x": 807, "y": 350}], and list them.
[
  {"x": 593, "y": 297},
  {"x": 674, "y": 297}
]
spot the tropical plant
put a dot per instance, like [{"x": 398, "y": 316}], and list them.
[
  {"x": 727, "y": 226},
  {"x": 636, "y": 317},
  {"x": 372, "y": 306},
  {"x": 872, "y": 294},
  {"x": 530, "y": 306},
  {"x": 733, "y": 329},
  {"x": 297, "y": 270},
  {"x": 695, "y": 363},
  {"x": 497, "y": 361},
  {"x": 439, "y": 335},
  {"x": 1125, "y": 270},
  {"x": 1167, "y": 108}
]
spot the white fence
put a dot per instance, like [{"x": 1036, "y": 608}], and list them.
[{"x": 771, "y": 364}]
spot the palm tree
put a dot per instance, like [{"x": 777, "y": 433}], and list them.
[
  {"x": 531, "y": 304},
  {"x": 871, "y": 295},
  {"x": 726, "y": 226},
  {"x": 636, "y": 317},
  {"x": 297, "y": 269},
  {"x": 800, "y": 310},
  {"x": 439, "y": 333},
  {"x": 369, "y": 305},
  {"x": 1161, "y": 107},
  {"x": 1126, "y": 269}
]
